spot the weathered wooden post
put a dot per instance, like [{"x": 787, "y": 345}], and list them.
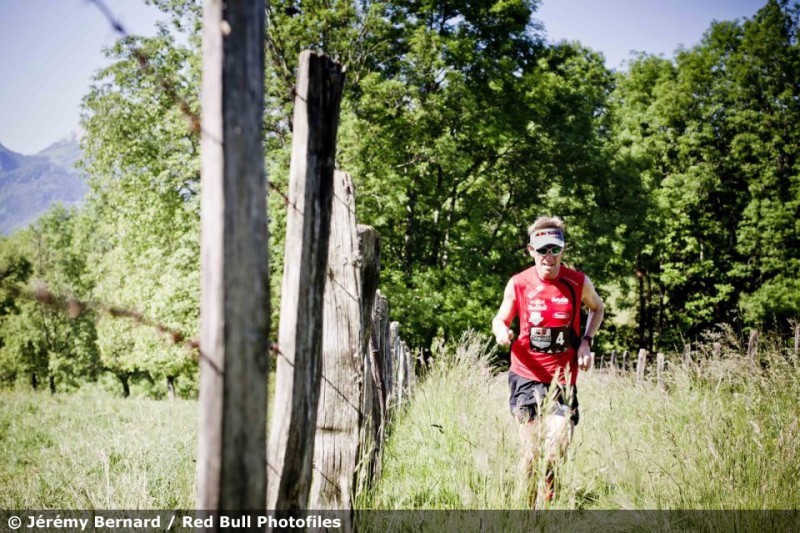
[
  {"x": 660, "y": 370},
  {"x": 316, "y": 118},
  {"x": 602, "y": 360},
  {"x": 380, "y": 374},
  {"x": 640, "y": 364},
  {"x": 400, "y": 377},
  {"x": 411, "y": 365},
  {"x": 234, "y": 307},
  {"x": 613, "y": 360},
  {"x": 354, "y": 271},
  {"x": 687, "y": 354},
  {"x": 752, "y": 345},
  {"x": 796, "y": 340},
  {"x": 716, "y": 349},
  {"x": 625, "y": 361}
]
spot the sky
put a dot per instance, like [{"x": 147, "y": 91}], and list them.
[{"x": 49, "y": 49}]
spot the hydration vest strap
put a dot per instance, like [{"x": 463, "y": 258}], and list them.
[{"x": 574, "y": 339}]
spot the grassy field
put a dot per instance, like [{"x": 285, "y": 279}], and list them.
[
  {"x": 723, "y": 435},
  {"x": 91, "y": 450}
]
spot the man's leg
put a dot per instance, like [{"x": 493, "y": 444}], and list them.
[
  {"x": 558, "y": 435},
  {"x": 530, "y": 443}
]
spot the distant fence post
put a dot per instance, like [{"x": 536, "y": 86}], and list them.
[
  {"x": 752, "y": 345},
  {"x": 602, "y": 360},
  {"x": 687, "y": 354},
  {"x": 796, "y": 340},
  {"x": 625, "y": 361},
  {"x": 716, "y": 350},
  {"x": 234, "y": 306},
  {"x": 316, "y": 118},
  {"x": 660, "y": 369},
  {"x": 353, "y": 261},
  {"x": 613, "y": 360},
  {"x": 401, "y": 365},
  {"x": 379, "y": 346},
  {"x": 640, "y": 364}
]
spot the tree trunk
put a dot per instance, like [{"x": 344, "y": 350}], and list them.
[
  {"x": 126, "y": 387},
  {"x": 408, "y": 245},
  {"x": 34, "y": 381},
  {"x": 316, "y": 116},
  {"x": 52, "y": 380},
  {"x": 171, "y": 387},
  {"x": 234, "y": 306},
  {"x": 642, "y": 312}
]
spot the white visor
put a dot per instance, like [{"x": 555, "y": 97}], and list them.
[{"x": 543, "y": 237}]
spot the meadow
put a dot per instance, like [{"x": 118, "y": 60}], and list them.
[{"x": 722, "y": 435}]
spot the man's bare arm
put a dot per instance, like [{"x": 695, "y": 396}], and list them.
[
  {"x": 504, "y": 316},
  {"x": 596, "y": 308}
]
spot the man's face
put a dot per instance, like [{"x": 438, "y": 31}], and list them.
[{"x": 547, "y": 263}]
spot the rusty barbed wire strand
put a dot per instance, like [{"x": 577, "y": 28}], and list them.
[
  {"x": 75, "y": 307},
  {"x": 166, "y": 86}
]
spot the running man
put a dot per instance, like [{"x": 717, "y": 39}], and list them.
[{"x": 550, "y": 349}]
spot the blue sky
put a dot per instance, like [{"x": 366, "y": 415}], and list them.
[{"x": 49, "y": 49}]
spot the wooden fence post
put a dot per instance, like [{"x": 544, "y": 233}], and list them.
[
  {"x": 640, "y": 364},
  {"x": 660, "y": 369},
  {"x": 379, "y": 345},
  {"x": 315, "y": 123},
  {"x": 716, "y": 350},
  {"x": 353, "y": 259},
  {"x": 602, "y": 360},
  {"x": 400, "y": 364},
  {"x": 752, "y": 345},
  {"x": 234, "y": 307},
  {"x": 796, "y": 340},
  {"x": 613, "y": 360},
  {"x": 625, "y": 361},
  {"x": 687, "y": 354}
]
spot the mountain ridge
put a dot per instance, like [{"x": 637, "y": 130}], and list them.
[{"x": 31, "y": 184}]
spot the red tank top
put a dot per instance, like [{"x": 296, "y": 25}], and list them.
[{"x": 549, "y": 322}]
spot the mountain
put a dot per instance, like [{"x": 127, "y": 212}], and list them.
[{"x": 29, "y": 185}]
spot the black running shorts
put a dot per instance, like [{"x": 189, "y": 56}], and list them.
[{"x": 527, "y": 396}]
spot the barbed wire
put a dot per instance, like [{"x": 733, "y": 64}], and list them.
[
  {"x": 75, "y": 307},
  {"x": 167, "y": 86}
]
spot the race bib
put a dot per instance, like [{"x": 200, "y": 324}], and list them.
[{"x": 550, "y": 340}]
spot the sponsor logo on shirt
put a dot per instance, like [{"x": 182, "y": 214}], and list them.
[
  {"x": 536, "y": 318},
  {"x": 537, "y": 304},
  {"x": 561, "y": 316},
  {"x": 535, "y": 291},
  {"x": 559, "y": 300}
]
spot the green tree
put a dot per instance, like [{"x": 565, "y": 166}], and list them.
[
  {"x": 711, "y": 137},
  {"x": 39, "y": 340},
  {"x": 144, "y": 167}
]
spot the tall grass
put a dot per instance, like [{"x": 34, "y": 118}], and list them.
[
  {"x": 89, "y": 450},
  {"x": 724, "y": 435}
]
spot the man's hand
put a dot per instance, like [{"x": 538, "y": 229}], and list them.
[
  {"x": 584, "y": 355},
  {"x": 504, "y": 336}
]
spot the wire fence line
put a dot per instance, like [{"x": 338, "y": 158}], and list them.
[{"x": 145, "y": 66}]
